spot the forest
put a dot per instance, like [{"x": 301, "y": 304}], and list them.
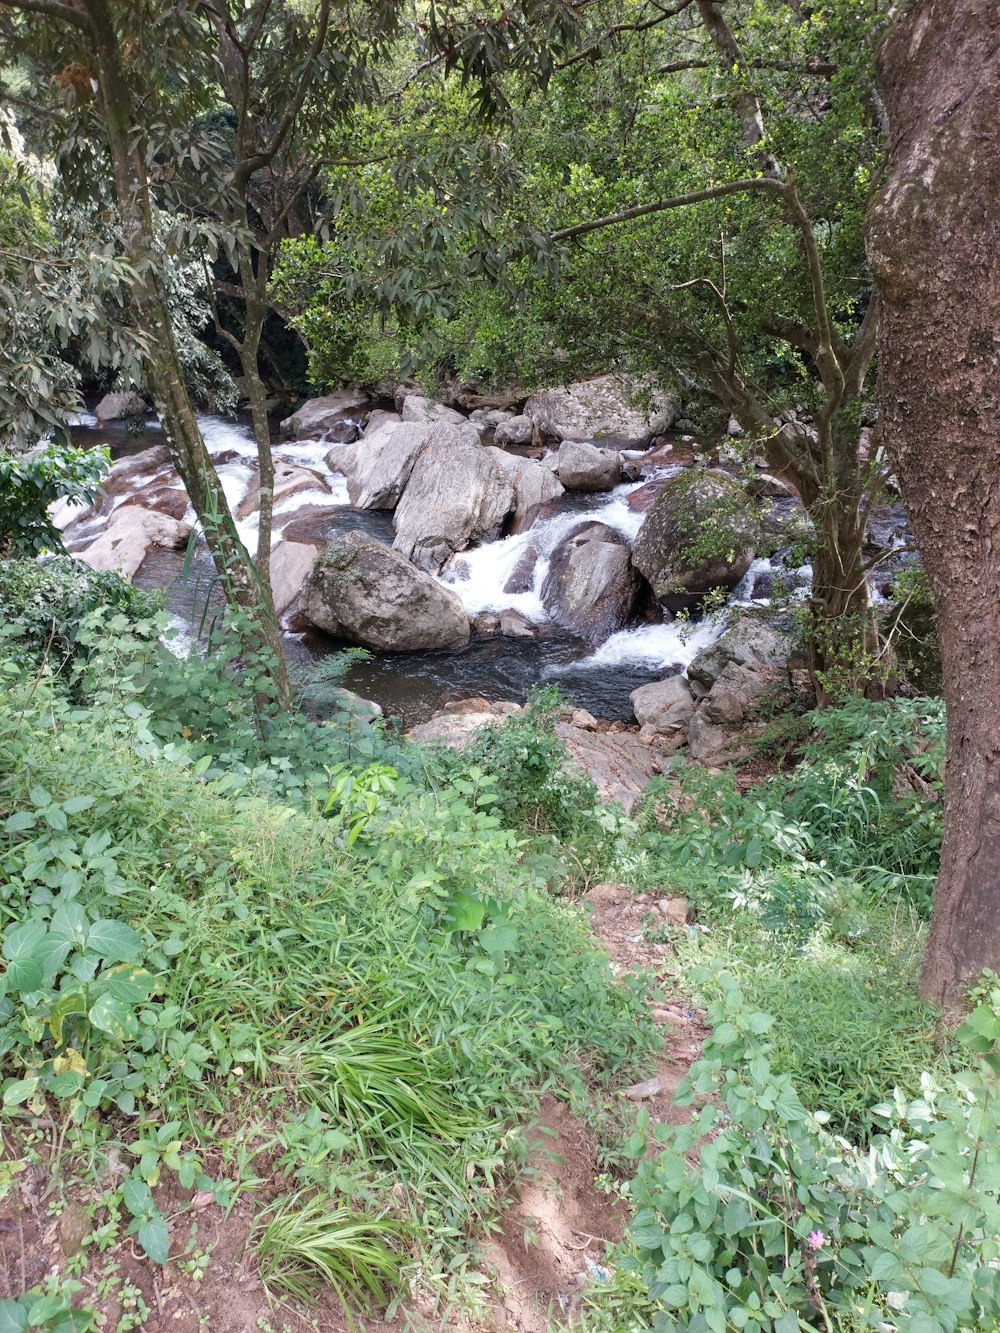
[{"x": 499, "y": 666}]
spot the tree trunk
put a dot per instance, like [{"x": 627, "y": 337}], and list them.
[
  {"x": 933, "y": 240},
  {"x": 244, "y": 591}
]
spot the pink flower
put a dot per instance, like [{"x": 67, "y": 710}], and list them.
[{"x": 816, "y": 1240}]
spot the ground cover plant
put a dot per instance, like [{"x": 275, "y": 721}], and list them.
[{"x": 382, "y": 986}]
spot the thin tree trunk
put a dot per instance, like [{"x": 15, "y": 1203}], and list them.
[
  {"x": 933, "y": 240},
  {"x": 244, "y": 590}
]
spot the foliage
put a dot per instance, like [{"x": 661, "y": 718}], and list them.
[
  {"x": 753, "y": 1216},
  {"x": 29, "y": 484},
  {"x": 49, "y": 1310},
  {"x": 45, "y": 607}
]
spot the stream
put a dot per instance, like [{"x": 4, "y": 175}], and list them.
[{"x": 412, "y": 686}]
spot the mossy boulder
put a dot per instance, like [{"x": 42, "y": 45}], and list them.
[{"x": 700, "y": 535}]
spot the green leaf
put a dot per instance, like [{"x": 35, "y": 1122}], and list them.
[
  {"x": 19, "y": 823},
  {"x": 114, "y": 941},
  {"x": 498, "y": 939},
  {"x": 19, "y": 1091},
  {"x": 114, "y": 1017},
  {"x": 24, "y": 939},
  {"x": 137, "y": 1197},
  {"x": 24, "y": 975},
  {"x": 129, "y": 983},
  {"x": 13, "y": 1317},
  {"x": 465, "y": 912},
  {"x": 155, "y": 1239},
  {"x": 73, "y": 1003},
  {"x": 76, "y": 804}
]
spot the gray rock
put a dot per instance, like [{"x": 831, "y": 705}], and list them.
[
  {"x": 130, "y": 535},
  {"x": 515, "y": 625},
  {"x": 453, "y": 729},
  {"x": 490, "y": 418},
  {"x": 590, "y": 587},
  {"x": 593, "y": 409},
  {"x": 363, "y": 591},
  {"x": 127, "y": 406},
  {"x": 705, "y": 740},
  {"x": 583, "y": 467},
  {"x": 619, "y": 765},
  {"x": 381, "y": 464},
  {"x": 290, "y": 566},
  {"x": 288, "y": 480},
  {"x": 319, "y": 418},
  {"x": 423, "y": 411},
  {"x": 379, "y": 418},
  {"x": 533, "y": 484},
  {"x": 753, "y": 640},
  {"x": 514, "y": 430},
  {"x": 522, "y": 576},
  {"x": 456, "y": 494},
  {"x": 734, "y": 694},
  {"x": 696, "y": 523},
  {"x": 665, "y": 705}
]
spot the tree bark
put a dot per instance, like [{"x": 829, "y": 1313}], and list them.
[
  {"x": 244, "y": 589},
  {"x": 934, "y": 242}
]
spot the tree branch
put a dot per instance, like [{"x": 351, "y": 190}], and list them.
[
  {"x": 766, "y": 183},
  {"x": 590, "y": 52},
  {"x": 68, "y": 13}
]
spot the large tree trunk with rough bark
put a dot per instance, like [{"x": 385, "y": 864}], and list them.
[{"x": 934, "y": 245}]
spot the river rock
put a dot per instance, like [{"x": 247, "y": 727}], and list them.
[
  {"x": 368, "y": 593},
  {"x": 424, "y": 412},
  {"x": 379, "y": 418},
  {"x": 665, "y": 705},
  {"x": 534, "y": 485},
  {"x": 665, "y": 454},
  {"x": 522, "y": 576},
  {"x": 619, "y": 765},
  {"x": 598, "y": 408},
  {"x": 379, "y": 466},
  {"x": 590, "y": 586},
  {"x": 696, "y": 523},
  {"x": 490, "y": 418},
  {"x": 318, "y": 417},
  {"x": 734, "y": 694},
  {"x": 456, "y": 494},
  {"x": 288, "y": 480},
  {"x": 290, "y": 566},
  {"x": 516, "y": 625},
  {"x": 514, "y": 430},
  {"x": 131, "y": 533},
  {"x": 170, "y": 500},
  {"x": 705, "y": 739},
  {"x": 755, "y": 640},
  {"x": 486, "y": 625},
  {"x": 643, "y": 498},
  {"x": 137, "y": 469},
  {"x": 583, "y": 467},
  {"x": 126, "y": 406},
  {"x": 453, "y": 729}
]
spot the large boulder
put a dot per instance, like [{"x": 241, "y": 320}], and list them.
[
  {"x": 126, "y": 406},
  {"x": 664, "y": 706},
  {"x": 583, "y": 467},
  {"x": 368, "y": 593},
  {"x": 456, "y": 494},
  {"x": 735, "y": 694},
  {"x": 755, "y": 640},
  {"x": 698, "y": 536},
  {"x": 288, "y": 480},
  {"x": 131, "y": 533},
  {"x": 590, "y": 587},
  {"x": 378, "y": 467},
  {"x": 598, "y": 408},
  {"x": 324, "y": 418},
  {"x": 534, "y": 485},
  {"x": 290, "y": 566},
  {"x": 425, "y": 412},
  {"x": 514, "y": 430}
]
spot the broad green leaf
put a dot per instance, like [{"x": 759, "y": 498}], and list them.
[
  {"x": 21, "y": 822},
  {"x": 155, "y": 1239},
  {"x": 73, "y": 1003},
  {"x": 114, "y": 941},
  {"x": 129, "y": 983},
  {"x": 13, "y": 1317},
  {"x": 114, "y": 1017},
  {"x": 76, "y": 804},
  {"x": 23, "y": 940},
  {"x": 465, "y": 912},
  {"x": 19, "y": 1091},
  {"x": 24, "y": 975},
  {"x": 138, "y": 1197}
]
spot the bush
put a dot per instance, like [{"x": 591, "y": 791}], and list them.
[
  {"x": 45, "y": 607},
  {"x": 29, "y": 483}
]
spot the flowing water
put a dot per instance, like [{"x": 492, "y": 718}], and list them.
[{"x": 413, "y": 685}]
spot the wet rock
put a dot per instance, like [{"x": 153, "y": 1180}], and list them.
[
  {"x": 317, "y": 417},
  {"x": 534, "y": 485},
  {"x": 515, "y": 625},
  {"x": 664, "y": 705},
  {"x": 490, "y": 418},
  {"x": 522, "y": 577},
  {"x": 643, "y": 499},
  {"x": 753, "y": 639},
  {"x": 514, "y": 430},
  {"x": 170, "y": 500},
  {"x": 126, "y": 406},
  {"x": 131, "y": 533},
  {"x": 369, "y": 594},
  {"x": 599, "y": 408},
  {"x": 380, "y": 465},
  {"x": 424, "y": 412},
  {"x": 456, "y": 494},
  {"x": 590, "y": 587},
  {"x": 698, "y": 521},
  {"x": 486, "y": 625},
  {"x": 290, "y": 566},
  {"x": 664, "y": 454},
  {"x": 288, "y": 480},
  {"x": 584, "y": 467},
  {"x": 127, "y": 473}
]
